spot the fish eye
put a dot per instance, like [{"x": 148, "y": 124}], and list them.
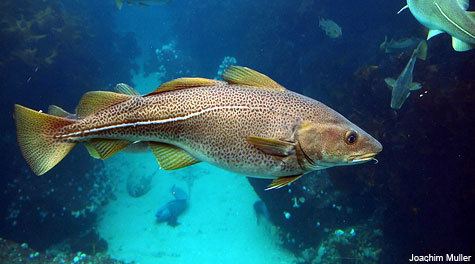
[{"x": 351, "y": 137}]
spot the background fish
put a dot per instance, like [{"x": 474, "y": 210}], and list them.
[
  {"x": 402, "y": 87},
  {"x": 332, "y": 29},
  {"x": 120, "y": 3},
  {"x": 172, "y": 210},
  {"x": 395, "y": 45},
  {"x": 449, "y": 16},
  {"x": 248, "y": 124}
]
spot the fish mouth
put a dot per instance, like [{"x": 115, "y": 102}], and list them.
[{"x": 363, "y": 158}]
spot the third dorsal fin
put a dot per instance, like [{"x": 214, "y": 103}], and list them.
[
  {"x": 183, "y": 83},
  {"x": 245, "y": 76},
  {"x": 93, "y": 102}
]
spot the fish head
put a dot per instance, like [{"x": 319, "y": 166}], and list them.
[
  {"x": 163, "y": 214},
  {"x": 336, "y": 142}
]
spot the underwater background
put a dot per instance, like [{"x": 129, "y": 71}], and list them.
[{"x": 418, "y": 199}]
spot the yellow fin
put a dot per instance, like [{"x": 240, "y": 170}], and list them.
[
  {"x": 245, "y": 76},
  {"x": 282, "y": 181},
  {"x": 58, "y": 111},
  {"x": 35, "y": 134},
  {"x": 274, "y": 147},
  {"x": 93, "y": 102},
  {"x": 183, "y": 83},
  {"x": 126, "y": 89},
  {"x": 105, "y": 148},
  {"x": 171, "y": 157},
  {"x": 92, "y": 151}
]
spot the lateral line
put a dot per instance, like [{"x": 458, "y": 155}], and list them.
[{"x": 158, "y": 122}]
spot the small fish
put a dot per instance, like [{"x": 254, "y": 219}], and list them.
[
  {"x": 170, "y": 211},
  {"x": 399, "y": 44},
  {"x": 402, "y": 87},
  {"x": 120, "y": 3},
  {"x": 332, "y": 29},
  {"x": 261, "y": 211},
  {"x": 247, "y": 123},
  {"x": 449, "y": 16},
  {"x": 179, "y": 194}
]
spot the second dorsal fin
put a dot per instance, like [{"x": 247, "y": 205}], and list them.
[
  {"x": 183, "y": 83},
  {"x": 93, "y": 102},
  {"x": 245, "y": 76}
]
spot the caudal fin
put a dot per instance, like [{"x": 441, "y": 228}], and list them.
[{"x": 35, "y": 134}]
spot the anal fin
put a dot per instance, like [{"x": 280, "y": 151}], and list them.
[
  {"x": 171, "y": 157},
  {"x": 105, "y": 148},
  {"x": 282, "y": 181},
  {"x": 460, "y": 46}
]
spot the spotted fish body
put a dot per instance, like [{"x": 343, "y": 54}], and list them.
[{"x": 214, "y": 123}]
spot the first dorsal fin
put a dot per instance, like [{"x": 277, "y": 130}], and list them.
[
  {"x": 58, "y": 111},
  {"x": 93, "y": 102},
  {"x": 183, "y": 83},
  {"x": 171, "y": 157},
  {"x": 245, "y": 76},
  {"x": 126, "y": 89},
  {"x": 282, "y": 181}
]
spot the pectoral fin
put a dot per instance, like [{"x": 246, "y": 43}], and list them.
[
  {"x": 171, "y": 157},
  {"x": 415, "y": 86},
  {"x": 282, "y": 181},
  {"x": 460, "y": 46},
  {"x": 274, "y": 147},
  {"x": 390, "y": 82}
]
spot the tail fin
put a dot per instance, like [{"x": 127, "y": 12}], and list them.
[{"x": 35, "y": 134}]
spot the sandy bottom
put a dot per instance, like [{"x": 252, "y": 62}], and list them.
[{"x": 218, "y": 227}]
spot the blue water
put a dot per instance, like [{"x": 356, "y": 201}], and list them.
[{"x": 418, "y": 199}]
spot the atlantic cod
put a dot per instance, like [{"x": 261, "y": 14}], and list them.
[
  {"x": 402, "y": 87},
  {"x": 247, "y": 124},
  {"x": 449, "y": 16},
  {"x": 120, "y": 3}
]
